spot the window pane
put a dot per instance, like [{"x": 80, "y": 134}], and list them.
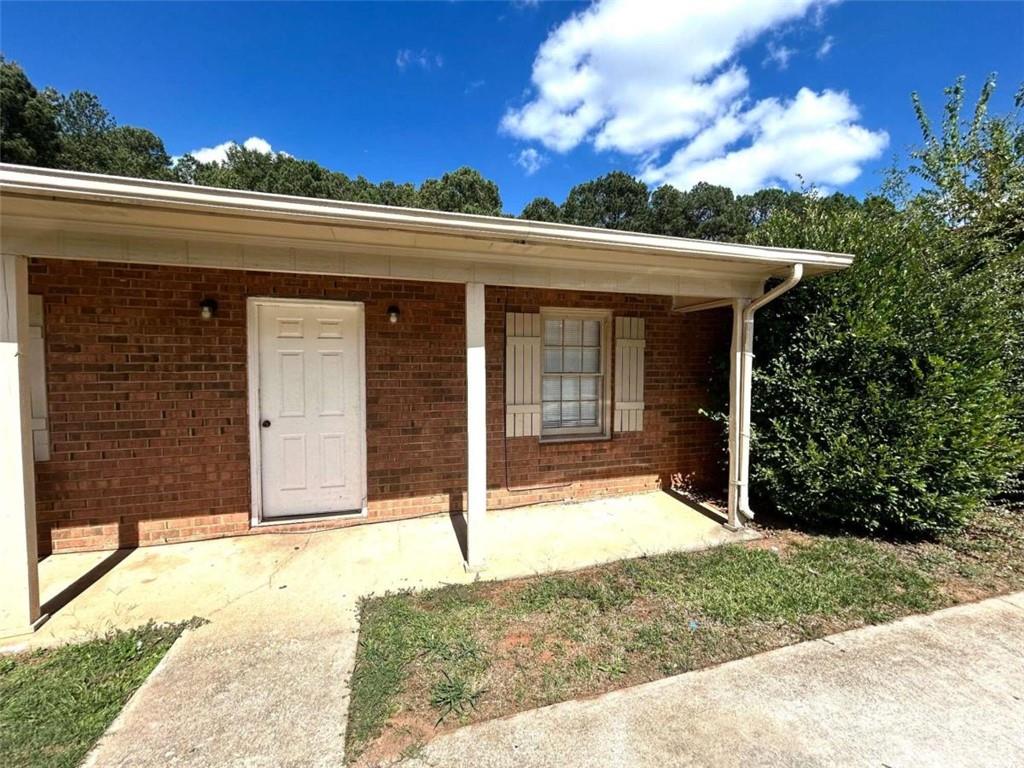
[
  {"x": 570, "y": 414},
  {"x": 588, "y": 413},
  {"x": 571, "y": 382},
  {"x": 573, "y": 333},
  {"x": 553, "y": 332},
  {"x": 552, "y": 414},
  {"x": 552, "y": 360},
  {"x": 551, "y": 388},
  {"x": 572, "y": 359}
]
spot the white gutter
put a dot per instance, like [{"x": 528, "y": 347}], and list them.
[
  {"x": 53, "y": 184},
  {"x": 744, "y": 319},
  {"x": 713, "y": 304}
]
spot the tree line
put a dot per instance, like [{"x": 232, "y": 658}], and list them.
[
  {"x": 75, "y": 132},
  {"x": 889, "y": 397}
]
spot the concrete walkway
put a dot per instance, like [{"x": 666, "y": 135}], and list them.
[
  {"x": 265, "y": 682},
  {"x": 939, "y": 690}
]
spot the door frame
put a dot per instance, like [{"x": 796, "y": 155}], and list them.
[{"x": 252, "y": 307}]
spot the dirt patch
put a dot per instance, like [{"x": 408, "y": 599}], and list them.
[
  {"x": 403, "y": 735},
  {"x": 779, "y": 541},
  {"x": 515, "y": 640},
  {"x": 961, "y": 590}
]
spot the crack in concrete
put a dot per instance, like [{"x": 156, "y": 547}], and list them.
[
  {"x": 267, "y": 583},
  {"x": 1002, "y": 599}
]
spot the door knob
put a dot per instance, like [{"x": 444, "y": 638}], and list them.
[{"x": 265, "y": 423}]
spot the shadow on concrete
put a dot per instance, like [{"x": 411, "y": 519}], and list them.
[
  {"x": 458, "y": 521},
  {"x": 709, "y": 511},
  {"x": 86, "y": 580}
]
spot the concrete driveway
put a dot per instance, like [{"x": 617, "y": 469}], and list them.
[
  {"x": 941, "y": 690},
  {"x": 265, "y": 682}
]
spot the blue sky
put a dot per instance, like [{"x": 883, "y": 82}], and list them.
[{"x": 537, "y": 96}]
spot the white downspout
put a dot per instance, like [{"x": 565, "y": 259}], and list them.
[
  {"x": 742, "y": 481},
  {"x": 735, "y": 522}
]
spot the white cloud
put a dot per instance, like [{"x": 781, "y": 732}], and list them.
[
  {"x": 632, "y": 75},
  {"x": 779, "y": 55},
  {"x": 530, "y": 160},
  {"x": 423, "y": 59},
  {"x": 219, "y": 153},
  {"x": 814, "y": 136},
  {"x": 826, "y": 47},
  {"x": 818, "y": 16},
  {"x": 645, "y": 78},
  {"x": 256, "y": 144}
]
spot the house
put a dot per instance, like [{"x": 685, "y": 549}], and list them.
[{"x": 180, "y": 362}]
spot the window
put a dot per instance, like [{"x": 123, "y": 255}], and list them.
[{"x": 573, "y": 380}]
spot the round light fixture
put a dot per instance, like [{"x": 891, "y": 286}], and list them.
[{"x": 207, "y": 308}]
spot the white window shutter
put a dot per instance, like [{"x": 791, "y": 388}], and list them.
[
  {"x": 37, "y": 379},
  {"x": 522, "y": 374},
  {"x": 629, "y": 374}
]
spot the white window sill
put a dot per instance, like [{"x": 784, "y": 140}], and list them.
[{"x": 595, "y": 438}]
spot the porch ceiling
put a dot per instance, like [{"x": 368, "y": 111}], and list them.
[{"x": 61, "y": 214}]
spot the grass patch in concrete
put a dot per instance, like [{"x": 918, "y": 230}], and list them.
[
  {"x": 55, "y": 703},
  {"x": 431, "y": 661}
]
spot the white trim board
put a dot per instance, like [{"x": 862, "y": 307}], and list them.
[
  {"x": 252, "y": 305},
  {"x": 246, "y": 211},
  {"x": 49, "y": 213},
  {"x": 129, "y": 245}
]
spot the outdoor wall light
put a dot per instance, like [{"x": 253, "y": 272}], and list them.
[
  {"x": 207, "y": 308},
  {"x": 393, "y": 313}
]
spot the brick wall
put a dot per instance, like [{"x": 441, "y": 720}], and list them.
[
  {"x": 676, "y": 439},
  {"x": 148, "y": 407}
]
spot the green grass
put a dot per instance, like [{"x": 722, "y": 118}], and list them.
[
  {"x": 55, "y": 703},
  {"x": 396, "y": 634},
  {"x": 471, "y": 652}
]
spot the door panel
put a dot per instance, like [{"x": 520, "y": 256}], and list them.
[{"x": 310, "y": 409}]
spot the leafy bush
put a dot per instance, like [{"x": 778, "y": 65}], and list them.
[{"x": 888, "y": 397}]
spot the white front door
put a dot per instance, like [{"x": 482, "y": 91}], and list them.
[{"x": 310, "y": 408}]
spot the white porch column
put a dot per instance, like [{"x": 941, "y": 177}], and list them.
[
  {"x": 735, "y": 413},
  {"x": 476, "y": 425},
  {"x": 19, "y": 566}
]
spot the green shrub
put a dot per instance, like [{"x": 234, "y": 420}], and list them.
[
  {"x": 884, "y": 400},
  {"x": 888, "y": 397}
]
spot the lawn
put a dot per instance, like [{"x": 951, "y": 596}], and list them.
[
  {"x": 55, "y": 703},
  {"x": 432, "y": 661}
]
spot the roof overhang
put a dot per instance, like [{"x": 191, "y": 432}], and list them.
[{"x": 64, "y": 214}]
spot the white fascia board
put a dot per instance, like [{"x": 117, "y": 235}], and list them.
[{"x": 403, "y": 223}]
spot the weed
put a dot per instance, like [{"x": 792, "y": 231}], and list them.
[
  {"x": 453, "y": 695},
  {"x": 612, "y": 667}
]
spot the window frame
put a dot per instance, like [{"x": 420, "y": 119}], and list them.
[{"x": 602, "y": 431}]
